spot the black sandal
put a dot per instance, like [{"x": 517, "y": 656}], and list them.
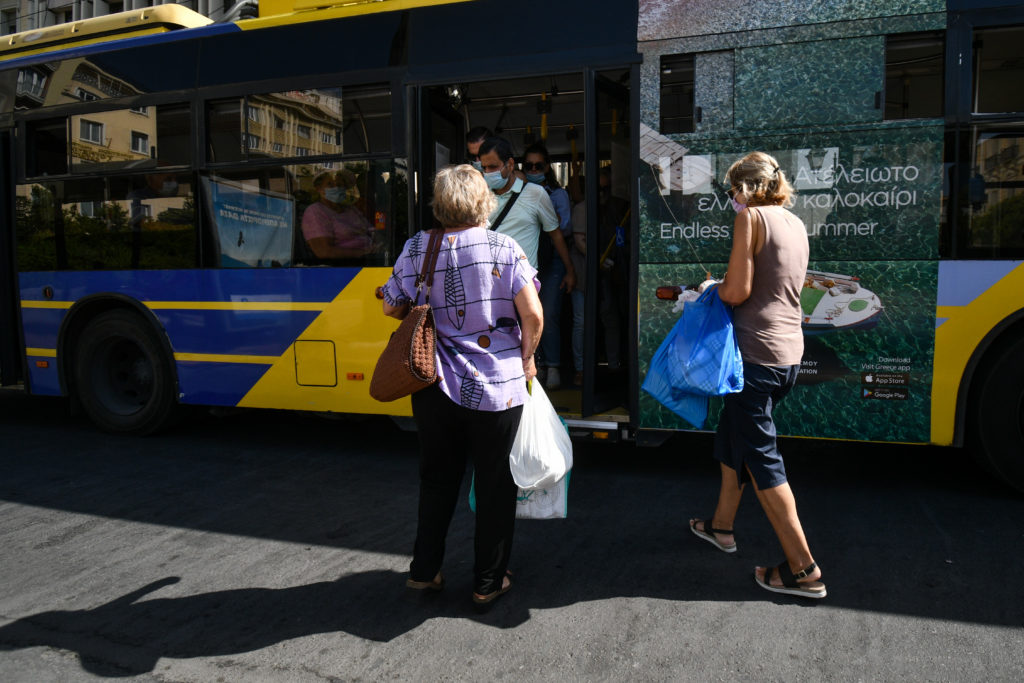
[
  {"x": 487, "y": 599},
  {"x": 790, "y": 581},
  {"x": 708, "y": 534}
]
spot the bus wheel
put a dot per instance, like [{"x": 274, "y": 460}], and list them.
[
  {"x": 124, "y": 379},
  {"x": 999, "y": 414}
]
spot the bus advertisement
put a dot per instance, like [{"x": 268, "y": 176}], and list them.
[{"x": 214, "y": 233}]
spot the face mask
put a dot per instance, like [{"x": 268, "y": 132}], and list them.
[
  {"x": 169, "y": 188},
  {"x": 736, "y": 205},
  {"x": 478, "y": 166},
  {"x": 495, "y": 180},
  {"x": 334, "y": 194},
  {"x": 535, "y": 178}
]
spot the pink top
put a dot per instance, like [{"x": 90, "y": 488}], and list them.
[{"x": 348, "y": 229}]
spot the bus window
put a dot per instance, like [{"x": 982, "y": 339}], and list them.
[
  {"x": 46, "y": 149},
  {"x": 367, "y": 121},
  {"x": 994, "y": 211},
  {"x": 140, "y": 137},
  {"x": 35, "y": 227},
  {"x": 224, "y": 130},
  {"x": 677, "y": 94},
  {"x": 914, "y": 75},
  {"x": 144, "y": 221},
  {"x": 300, "y": 123},
  {"x": 998, "y": 70},
  {"x": 327, "y": 213}
]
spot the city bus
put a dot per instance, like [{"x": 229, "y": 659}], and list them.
[{"x": 159, "y": 172}]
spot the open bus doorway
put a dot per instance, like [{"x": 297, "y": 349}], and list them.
[{"x": 555, "y": 110}]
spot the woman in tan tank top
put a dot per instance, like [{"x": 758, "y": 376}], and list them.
[{"x": 767, "y": 267}]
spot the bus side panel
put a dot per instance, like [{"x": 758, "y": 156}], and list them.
[
  {"x": 866, "y": 373},
  {"x": 972, "y": 300},
  {"x": 868, "y": 190},
  {"x": 303, "y": 338},
  {"x": 10, "y": 364}
]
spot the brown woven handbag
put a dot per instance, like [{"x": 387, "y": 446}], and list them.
[{"x": 409, "y": 361}]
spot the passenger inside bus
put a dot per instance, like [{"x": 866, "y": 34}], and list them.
[
  {"x": 474, "y": 138},
  {"x": 333, "y": 226},
  {"x": 537, "y": 168}
]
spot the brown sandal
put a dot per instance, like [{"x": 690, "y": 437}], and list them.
[{"x": 436, "y": 584}]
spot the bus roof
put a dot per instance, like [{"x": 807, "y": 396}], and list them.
[
  {"x": 134, "y": 23},
  {"x": 281, "y": 12},
  {"x": 172, "y": 22}
]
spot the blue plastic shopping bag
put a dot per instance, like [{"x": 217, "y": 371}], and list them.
[
  {"x": 709, "y": 361},
  {"x": 698, "y": 358}
]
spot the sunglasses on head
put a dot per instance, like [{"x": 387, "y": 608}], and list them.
[{"x": 533, "y": 166}]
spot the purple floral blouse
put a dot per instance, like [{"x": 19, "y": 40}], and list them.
[{"x": 478, "y": 274}]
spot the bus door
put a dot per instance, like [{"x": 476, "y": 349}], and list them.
[
  {"x": 10, "y": 366},
  {"x": 609, "y": 195},
  {"x": 441, "y": 142},
  {"x": 558, "y": 110}
]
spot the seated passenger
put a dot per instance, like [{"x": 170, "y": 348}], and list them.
[{"x": 332, "y": 227}]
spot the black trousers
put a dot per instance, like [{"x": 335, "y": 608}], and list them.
[{"x": 449, "y": 434}]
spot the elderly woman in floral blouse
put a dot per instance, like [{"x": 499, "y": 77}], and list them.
[{"x": 489, "y": 322}]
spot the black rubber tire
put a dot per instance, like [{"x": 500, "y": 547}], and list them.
[
  {"x": 123, "y": 377},
  {"x": 998, "y": 413}
]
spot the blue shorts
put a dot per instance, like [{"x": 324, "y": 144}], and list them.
[{"x": 745, "y": 440}]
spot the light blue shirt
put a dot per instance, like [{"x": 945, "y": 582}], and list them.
[{"x": 532, "y": 213}]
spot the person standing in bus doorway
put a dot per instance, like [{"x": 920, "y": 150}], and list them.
[
  {"x": 524, "y": 210},
  {"x": 484, "y": 359},
  {"x": 474, "y": 138},
  {"x": 537, "y": 166},
  {"x": 767, "y": 267}
]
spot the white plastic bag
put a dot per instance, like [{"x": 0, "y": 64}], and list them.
[
  {"x": 542, "y": 451},
  {"x": 552, "y": 503}
]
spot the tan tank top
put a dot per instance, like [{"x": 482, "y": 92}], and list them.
[{"x": 768, "y": 323}]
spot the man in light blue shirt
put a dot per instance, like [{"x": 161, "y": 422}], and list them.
[{"x": 532, "y": 212}]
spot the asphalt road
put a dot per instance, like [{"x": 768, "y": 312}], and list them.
[{"x": 266, "y": 546}]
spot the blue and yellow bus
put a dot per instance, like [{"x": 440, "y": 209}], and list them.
[{"x": 159, "y": 173}]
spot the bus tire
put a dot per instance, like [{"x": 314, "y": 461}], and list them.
[
  {"x": 123, "y": 377},
  {"x": 998, "y": 413}
]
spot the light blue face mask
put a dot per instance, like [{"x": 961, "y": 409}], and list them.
[
  {"x": 478, "y": 166},
  {"x": 535, "y": 178},
  {"x": 495, "y": 180},
  {"x": 334, "y": 194}
]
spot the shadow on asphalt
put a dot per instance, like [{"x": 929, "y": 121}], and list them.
[{"x": 906, "y": 530}]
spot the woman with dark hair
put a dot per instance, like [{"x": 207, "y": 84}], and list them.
[
  {"x": 488, "y": 322},
  {"x": 537, "y": 166},
  {"x": 767, "y": 267}
]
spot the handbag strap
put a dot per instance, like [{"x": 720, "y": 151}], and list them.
[
  {"x": 504, "y": 212},
  {"x": 429, "y": 262}
]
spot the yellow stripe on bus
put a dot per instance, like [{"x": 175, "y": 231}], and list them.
[
  {"x": 226, "y": 358},
  {"x": 204, "y": 305},
  {"x": 289, "y": 12},
  {"x": 237, "y": 305},
  {"x": 45, "y": 353},
  {"x": 46, "y": 304}
]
